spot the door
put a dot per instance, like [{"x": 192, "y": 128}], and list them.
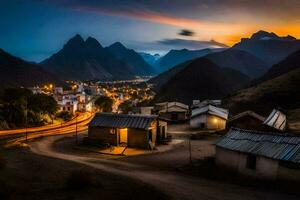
[{"x": 123, "y": 133}]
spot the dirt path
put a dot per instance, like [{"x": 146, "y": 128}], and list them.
[{"x": 177, "y": 186}]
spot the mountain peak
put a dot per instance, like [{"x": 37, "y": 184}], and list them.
[
  {"x": 264, "y": 35},
  {"x": 118, "y": 45},
  {"x": 92, "y": 42},
  {"x": 75, "y": 41}
]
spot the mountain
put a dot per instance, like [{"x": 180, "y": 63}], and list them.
[
  {"x": 175, "y": 57},
  {"x": 282, "y": 91},
  {"x": 241, "y": 61},
  {"x": 268, "y": 46},
  {"x": 86, "y": 60},
  {"x": 17, "y": 72},
  {"x": 292, "y": 62},
  {"x": 149, "y": 58},
  {"x": 201, "y": 79},
  {"x": 135, "y": 60}
]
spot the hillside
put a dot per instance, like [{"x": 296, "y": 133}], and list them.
[
  {"x": 268, "y": 46},
  {"x": 17, "y": 72},
  {"x": 201, "y": 79},
  {"x": 282, "y": 91},
  {"x": 139, "y": 65},
  {"x": 164, "y": 77},
  {"x": 149, "y": 58},
  {"x": 292, "y": 62},
  {"x": 85, "y": 60},
  {"x": 241, "y": 61},
  {"x": 175, "y": 57}
]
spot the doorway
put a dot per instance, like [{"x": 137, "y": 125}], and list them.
[{"x": 123, "y": 136}]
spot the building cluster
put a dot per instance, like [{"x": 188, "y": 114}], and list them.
[
  {"x": 80, "y": 98},
  {"x": 253, "y": 145}
]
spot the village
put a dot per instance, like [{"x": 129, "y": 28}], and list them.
[{"x": 250, "y": 144}]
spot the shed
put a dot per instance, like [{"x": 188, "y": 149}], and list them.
[
  {"x": 172, "y": 111},
  {"x": 260, "y": 154},
  {"x": 136, "y": 131},
  {"x": 246, "y": 120},
  {"x": 209, "y": 117}
]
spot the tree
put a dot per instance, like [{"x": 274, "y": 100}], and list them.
[
  {"x": 65, "y": 115},
  {"x": 104, "y": 104},
  {"x": 126, "y": 107}
]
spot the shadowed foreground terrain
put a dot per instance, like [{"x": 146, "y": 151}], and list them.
[{"x": 29, "y": 176}]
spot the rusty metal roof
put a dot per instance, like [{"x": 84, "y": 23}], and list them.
[
  {"x": 115, "y": 120},
  {"x": 272, "y": 145}
]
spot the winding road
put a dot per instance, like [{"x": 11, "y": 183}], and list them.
[{"x": 177, "y": 186}]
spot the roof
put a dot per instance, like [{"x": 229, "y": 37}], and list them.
[
  {"x": 207, "y": 102},
  {"x": 272, "y": 145},
  {"x": 122, "y": 120},
  {"x": 276, "y": 120},
  {"x": 247, "y": 113},
  {"x": 210, "y": 109},
  {"x": 165, "y": 106}
]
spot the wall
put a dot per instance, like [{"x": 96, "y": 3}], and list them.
[
  {"x": 181, "y": 116},
  {"x": 102, "y": 135},
  {"x": 209, "y": 121},
  {"x": 287, "y": 173},
  {"x": 138, "y": 138},
  {"x": 197, "y": 121},
  {"x": 215, "y": 123},
  {"x": 265, "y": 168}
]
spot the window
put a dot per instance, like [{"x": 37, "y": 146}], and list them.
[
  {"x": 112, "y": 131},
  {"x": 251, "y": 162}
]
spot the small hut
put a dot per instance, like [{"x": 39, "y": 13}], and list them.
[
  {"x": 136, "y": 131},
  {"x": 209, "y": 117}
]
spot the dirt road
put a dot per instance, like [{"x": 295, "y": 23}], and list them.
[{"x": 177, "y": 186}]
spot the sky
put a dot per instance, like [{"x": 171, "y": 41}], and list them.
[{"x": 35, "y": 29}]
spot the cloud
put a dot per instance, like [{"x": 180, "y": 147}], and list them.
[
  {"x": 191, "y": 44},
  {"x": 186, "y": 32}
]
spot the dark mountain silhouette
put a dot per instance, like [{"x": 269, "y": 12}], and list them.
[
  {"x": 175, "y": 57},
  {"x": 201, "y": 79},
  {"x": 268, "y": 46},
  {"x": 241, "y": 61},
  {"x": 280, "y": 92},
  {"x": 292, "y": 62},
  {"x": 135, "y": 60},
  {"x": 85, "y": 60},
  {"x": 164, "y": 77},
  {"x": 150, "y": 59},
  {"x": 230, "y": 58},
  {"x": 17, "y": 72}
]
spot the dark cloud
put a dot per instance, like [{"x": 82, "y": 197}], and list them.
[
  {"x": 186, "y": 32},
  {"x": 191, "y": 44}
]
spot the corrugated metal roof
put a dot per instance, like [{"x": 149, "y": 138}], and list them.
[
  {"x": 122, "y": 120},
  {"x": 210, "y": 109},
  {"x": 276, "y": 120},
  {"x": 272, "y": 145}
]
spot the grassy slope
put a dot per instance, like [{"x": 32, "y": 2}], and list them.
[{"x": 283, "y": 91}]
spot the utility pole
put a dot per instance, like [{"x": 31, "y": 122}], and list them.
[{"x": 190, "y": 149}]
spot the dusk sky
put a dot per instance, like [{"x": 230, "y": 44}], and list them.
[{"x": 35, "y": 29}]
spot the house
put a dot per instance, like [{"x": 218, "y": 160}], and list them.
[
  {"x": 172, "y": 111},
  {"x": 146, "y": 110},
  {"x": 246, "y": 120},
  {"x": 58, "y": 90},
  {"x": 67, "y": 103},
  {"x": 209, "y": 117},
  {"x": 260, "y": 154},
  {"x": 276, "y": 120},
  {"x": 135, "y": 131}
]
